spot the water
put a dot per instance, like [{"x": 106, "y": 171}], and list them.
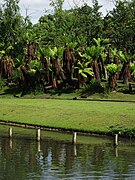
[{"x": 55, "y": 157}]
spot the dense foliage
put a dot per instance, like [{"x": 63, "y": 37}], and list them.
[{"x": 68, "y": 47}]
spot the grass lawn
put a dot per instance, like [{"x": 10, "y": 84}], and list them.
[{"x": 86, "y": 116}]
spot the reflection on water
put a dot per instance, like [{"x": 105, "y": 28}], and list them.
[{"x": 56, "y": 159}]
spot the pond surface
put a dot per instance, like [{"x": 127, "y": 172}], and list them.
[{"x": 55, "y": 157}]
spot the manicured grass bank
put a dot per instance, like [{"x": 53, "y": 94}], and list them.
[{"x": 88, "y": 116}]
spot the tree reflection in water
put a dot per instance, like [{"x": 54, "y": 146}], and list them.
[{"x": 53, "y": 159}]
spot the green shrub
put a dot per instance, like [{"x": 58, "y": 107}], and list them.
[{"x": 93, "y": 87}]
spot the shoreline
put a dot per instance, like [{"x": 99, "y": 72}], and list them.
[{"x": 61, "y": 130}]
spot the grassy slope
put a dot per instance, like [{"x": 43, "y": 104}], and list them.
[{"x": 90, "y": 116}]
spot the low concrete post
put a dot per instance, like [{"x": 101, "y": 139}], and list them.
[
  {"x": 74, "y": 137},
  {"x": 38, "y": 145},
  {"x": 10, "y": 143},
  {"x": 116, "y": 151},
  {"x": 75, "y": 150},
  {"x": 10, "y": 133},
  {"x": 116, "y": 140},
  {"x": 38, "y": 134}
]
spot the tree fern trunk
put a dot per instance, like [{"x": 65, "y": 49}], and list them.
[
  {"x": 112, "y": 81},
  {"x": 96, "y": 70}
]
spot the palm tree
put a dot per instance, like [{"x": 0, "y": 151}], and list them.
[
  {"x": 55, "y": 55},
  {"x": 31, "y": 39},
  {"x": 114, "y": 53},
  {"x": 115, "y": 57},
  {"x": 44, "y": 56},
  {"x": 84, "y": 71},
  {"x": 6, "y": 63},
  {"x": 113, "y": 69},
  {"x": 68, "y": 61},
  {"x": 7, "y": 66},
  {"x": 125, "y": 72},
  {"x": 94, "y": 54}
]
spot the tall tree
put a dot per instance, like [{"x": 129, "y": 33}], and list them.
[
  {"x": 11, "y": 25},
  {"x": 91, "y": 19},
  {"x": 119, "y": 25},
  {"x": 59, "y": 18}
]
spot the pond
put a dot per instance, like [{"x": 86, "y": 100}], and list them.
[{"x": 55, "y": 157}]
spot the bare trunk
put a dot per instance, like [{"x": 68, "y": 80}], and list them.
[
  {"x": 101, "y": 66},
  {"x": 125, "y": 73},
  {"x": 58, "y": 72},
  {"x": 96, "y": 70},
  {"x": 31, "y": 49},
  {"x": 68, "y": 62},
  {"x": 112, "y": 81},
  {"x": 26, "y": 76}
]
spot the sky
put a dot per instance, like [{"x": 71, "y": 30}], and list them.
[{"x": 36, "y": 8}]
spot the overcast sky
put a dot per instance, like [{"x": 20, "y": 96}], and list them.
[{"x": 36, "y": 8}]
